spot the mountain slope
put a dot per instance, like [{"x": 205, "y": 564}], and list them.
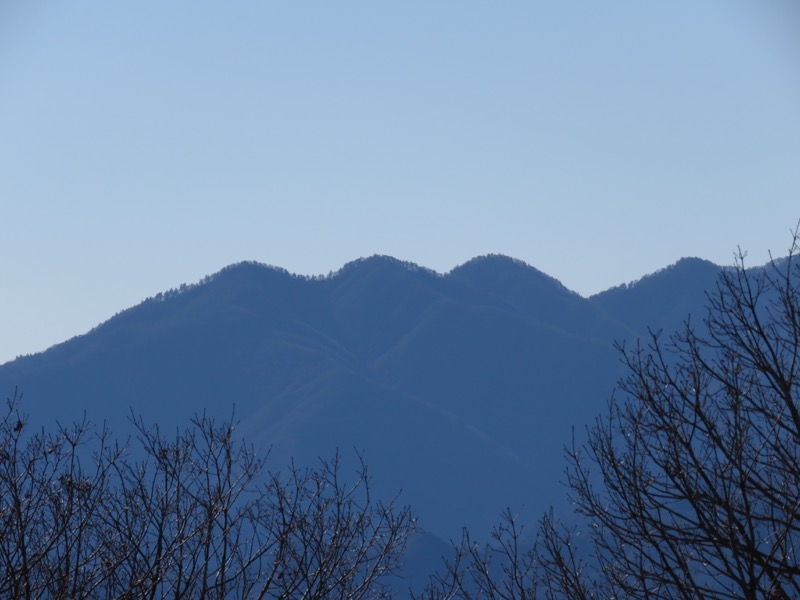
[{"x": 461, "y": 389}]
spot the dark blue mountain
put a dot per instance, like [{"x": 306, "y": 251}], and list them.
[
  {"x": 460, "y": 389},
  {"x": 663, "y": 300}
]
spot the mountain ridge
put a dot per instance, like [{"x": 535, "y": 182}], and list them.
[
  {"x": 458, "y": 385},
  {"x": 280, "y": 272}
]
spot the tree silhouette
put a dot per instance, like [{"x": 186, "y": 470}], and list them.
[
  {"x": 193, "y": 516},
  {"x": 689, "y": 485}
]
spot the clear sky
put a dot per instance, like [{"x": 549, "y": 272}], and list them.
[{"x": 146, "y": 144}]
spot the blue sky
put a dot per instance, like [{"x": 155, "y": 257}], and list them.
[{"x": 149, "y": 143}]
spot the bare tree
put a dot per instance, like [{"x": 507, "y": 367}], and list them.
[
  {"x": 505, "y": 568},
  {"x": 194, "y": 516},
  {"x": 333, "y": 539},
  {"x": 691, "y": 481},
  {"x": 689, "y": 485},
  {"x": 51, "y": 508},
  {"x": 514, "y": 566}
]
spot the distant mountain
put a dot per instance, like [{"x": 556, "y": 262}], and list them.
[{"x": 461, "y": 389}]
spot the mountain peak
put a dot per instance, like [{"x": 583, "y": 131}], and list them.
[
  {"x": 380, "y": 262},
  {"x": 666, "y": 296},
  {"x": 497, "y": 269},
  {"x": 688, "y": 267},
  {"x": 495, "y": 261}
]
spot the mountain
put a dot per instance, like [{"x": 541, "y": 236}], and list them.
[
  {"x": 664, "y": 299},
  {"x": 460, "y": 389}
]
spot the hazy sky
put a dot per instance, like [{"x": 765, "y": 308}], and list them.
[{"x": 149, "y": 143}]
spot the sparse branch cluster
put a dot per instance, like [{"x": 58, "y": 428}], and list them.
[
  {"x": 502, "y": 569},
  {"x": 515, "y": 566},
  {"x": 193, "y": 516}
]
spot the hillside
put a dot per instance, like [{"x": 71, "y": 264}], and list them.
[{"x": 460, "y": 389}]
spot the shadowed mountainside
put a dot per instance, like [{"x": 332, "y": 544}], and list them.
[
  {"x": 665, "y": 299},
  {"x": 461, "y": 389}
]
